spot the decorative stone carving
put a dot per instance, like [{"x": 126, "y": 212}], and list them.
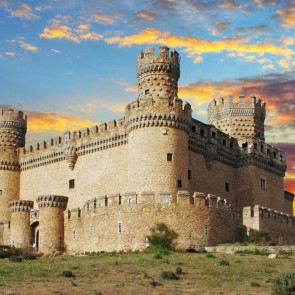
[
  {"x": 21, "y": 206},
  {"x": 52, "y": 201},
  {"x": 70, "y": 152}
]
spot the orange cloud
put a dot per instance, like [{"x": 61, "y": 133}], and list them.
[
  {"x": 288, "y": 16},
  {"x": 56, "y": 30},
  {"x": 196, "y": 46},
  {"x": 29, "y": 47},
  {"x": 52, "y": 121},
  {"x": 146, "y": 14}
]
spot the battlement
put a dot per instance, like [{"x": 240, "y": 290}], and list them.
[
  {"x": 13, "y": 115},
  {"x": 148, "y": 56},
  {"x": 164, "y": 199},
  {"x": 21, "y": 206},
  {"x": 240, "y": 119}
]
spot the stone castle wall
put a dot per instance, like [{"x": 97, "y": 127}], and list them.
[
  {"x": 199, "y": 220},
  {"x": 281, "y": 226}
]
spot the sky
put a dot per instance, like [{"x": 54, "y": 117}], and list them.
[{"x": 71, "y": 64}]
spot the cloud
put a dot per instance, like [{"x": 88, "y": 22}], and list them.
[
  {"x": 38, "y": 121},
  {"x": 145, "y": 15},
  {"x": 55, "y": 51},
  {"x": 29, "y": 47},
  {"x": 197, "y": 46},
  {"x": 23, "y": 44},
  {"x": 231, "y": 4},
  {"x": 57, "y": 30},
  {"x": 9, "y": 53},
  {"x": 287, "y": 15},
  {"x": 23, "y": 11},
  {"x": 260, "y": 29},
  {"x": 106, "y": 19},
  {"x": 220, "y": 27}
]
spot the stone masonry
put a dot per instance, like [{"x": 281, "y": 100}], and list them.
[{"x": 102, "y": 188}]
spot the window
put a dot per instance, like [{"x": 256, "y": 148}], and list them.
[
  {"x": 224, "y": 142},
  {"x": 169, "y": 157},
  {"x": 189, "y": 174},
  {"x": 119, "y": 227},
  {"x": 231, "y": 145},
  {"x": 147, "y": 91},
  {"x": 74, "y": 234},
  {"x": 255, "y": 146},
  {"x": 206, "y": 229},
  {"x": 179, "y": 183},
  {"x": 71, "y": 183},
  {"x": 226, "y": 187},
  {"x": 263, "y": 183},
  {"x": 0, "y": 192},
  {"x": 245, "y": 145},
  {"x": 202, "y": 132},
  {"x": 213, "y": 134},
  {"x": 193, "y": 128}
]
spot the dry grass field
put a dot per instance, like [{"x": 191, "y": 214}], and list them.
[{"x": 140, "y": 273}]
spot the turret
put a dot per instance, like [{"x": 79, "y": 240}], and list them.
[
  {"x": 158, "y": 74},
  {"x": 158, "y": 126},
  {"x": 13, "y": 127},
  {"x": 51, "y": 222},
  {"x": 240, "y": 119}
]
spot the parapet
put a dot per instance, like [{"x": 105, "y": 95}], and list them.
[
  {"x": 52, "y": 201},
  {"x": 21, "y": 206},
  {"x": 148, "y": 56},
  {"x": 13, "y": 115}
]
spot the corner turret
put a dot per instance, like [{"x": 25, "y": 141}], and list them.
[{"x": 240, "y": 119}]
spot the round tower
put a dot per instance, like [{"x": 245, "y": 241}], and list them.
[
  {"x": 13, "y": 127},
  {"x": 158, "y": 124},
  {"x": 241, "y": 119},
  {"x": 158, "y": 74},
  {"x": 51, "y": 222},
  {"x": 21, "y": 235}
]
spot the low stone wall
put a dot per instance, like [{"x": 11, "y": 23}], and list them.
[
  {"x": 234, "y": 249},
  {"x": 281, "y": 226},
  {"x": 199, "y": 220}
]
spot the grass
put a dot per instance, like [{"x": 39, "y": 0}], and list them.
[{"x": 131, "y": 273}]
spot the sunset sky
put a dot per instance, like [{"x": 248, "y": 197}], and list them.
[{"x": 71, "y": 63}]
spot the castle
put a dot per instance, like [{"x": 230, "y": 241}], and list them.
[{"x": 103, "y": 188}]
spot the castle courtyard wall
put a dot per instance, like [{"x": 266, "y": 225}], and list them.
[{"x": 200, "y": 223}]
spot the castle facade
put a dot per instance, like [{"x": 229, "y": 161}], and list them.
[{"x": 103, "y": 188}]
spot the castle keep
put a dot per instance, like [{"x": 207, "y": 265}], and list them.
[{"x": 103, "y": 188}]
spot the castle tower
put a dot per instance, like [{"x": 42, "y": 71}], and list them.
[
  {"x": 13, "y": 127},
  {"x": 51, "y": 222},
  {"x": 158, "y": 74},
  {"x": 241, "y": 119},
  {"x": 158, "y": 125},
  {"x": 21, "y": 235}
]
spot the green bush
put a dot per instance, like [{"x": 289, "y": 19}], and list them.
[
  {"x": 169, "y": 275},
  {"x": 284, "y": 284},
  {"x": 224, "y": 263},
  {"x": 259, "y": 237},
  {"x": 199, "y": 250},
  {"x": 15, "y": 258},
  {"x": 68, "y": 274},
  {"x": 179, "y": 270},
  {"x": 162, "y": 236}
]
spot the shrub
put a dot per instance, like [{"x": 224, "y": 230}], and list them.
[
  {"x": 284, "y": 284},
  {"x": 254, "y": 284},
  {"x": 210, "y": 255},
  {"x": 15, "y": 258},
  {"x": 179, "y": 270},
  {"x": 199, "y": 250},
  {"x": 169, "y": 275},
  {"x": 260, "y": 237},
  {"x": 224, "y": 263},
  {"x": 68, "y": 274},
  {"x": 162, "y": 236}
]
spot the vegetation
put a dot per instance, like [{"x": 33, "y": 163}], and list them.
[
  {"x": 162, "y": 236},
  {"x": 260, "y": 237},
  {"x": 131, "y": 273},
  {"x": 284, "y": 284}
]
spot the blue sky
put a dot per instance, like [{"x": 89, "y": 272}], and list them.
[{"x": 71, "y": 64}]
